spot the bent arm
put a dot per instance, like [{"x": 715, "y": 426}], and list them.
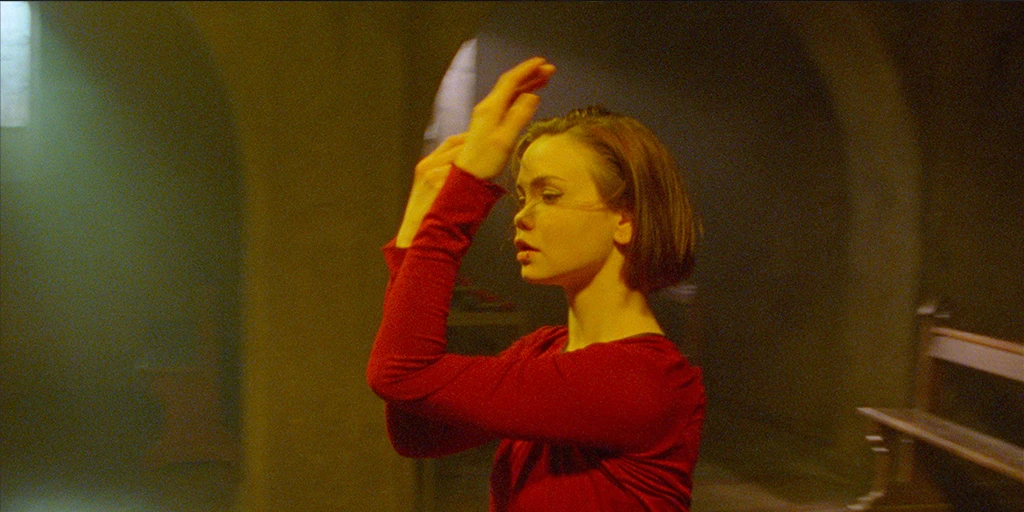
[
  {"x": 614, "y": 396},
  {"x": 416, "y": 436},
  {"x": 493, "y": 129},
  {"x": 411, "y": 337},
  {"x": 617, "y": 395}
]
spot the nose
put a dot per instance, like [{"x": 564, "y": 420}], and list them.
[{"x": 524, "y": 217}]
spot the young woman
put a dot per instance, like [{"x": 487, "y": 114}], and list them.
[{"x": 600, "y": 414}]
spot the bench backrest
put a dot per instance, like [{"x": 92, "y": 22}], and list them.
[{"x": 990, "y": 355}]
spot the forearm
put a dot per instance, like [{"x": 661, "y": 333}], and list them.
[
  {"x": 421, "y": 198},
  {"x": 411, "y": 338}
]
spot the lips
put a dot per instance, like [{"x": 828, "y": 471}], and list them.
[
  {"x": 523, "y": 251},
  {"x": 523, "y": 246}
]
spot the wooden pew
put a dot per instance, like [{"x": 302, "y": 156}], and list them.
[{"x": 906, "y": 440}]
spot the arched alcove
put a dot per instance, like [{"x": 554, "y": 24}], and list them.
[
  {"x": 730, "y": 91},
  {"x": 330, "y": 124},
  {"x": 883, "y": 176},
  {"x": 789, "y": 123},
  {"x": 122, "y": 221}
]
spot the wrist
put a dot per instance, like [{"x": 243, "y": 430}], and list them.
[
  {"x": 486, "y": 171},
  {"x": 421, "y": 198}
]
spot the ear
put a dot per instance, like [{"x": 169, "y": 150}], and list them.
[{"x": 624, "y": 230}]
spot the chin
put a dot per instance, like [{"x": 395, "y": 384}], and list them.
[
  {"x": 540, "y": 280},
  {"x": 529, "y": 279},
  {"x": 532, "y": 278}
]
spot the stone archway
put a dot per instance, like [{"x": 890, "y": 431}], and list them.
[
  {"x": 883, "y": 177},
  {"x": 330, "y": 100}
]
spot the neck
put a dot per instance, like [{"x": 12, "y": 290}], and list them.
[{"x": 607, "y": 310}]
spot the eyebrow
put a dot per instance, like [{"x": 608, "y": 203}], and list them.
[{"x": 541, "y": 180}]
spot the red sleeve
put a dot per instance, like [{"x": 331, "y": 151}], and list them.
[
  {"x": 416, "y": 436},
  {"x": 413, "y": 435},
  {"x": 393, "y": 258},
  {"x": 622, "y": 395},
  {"x": 419, "y": 437}
]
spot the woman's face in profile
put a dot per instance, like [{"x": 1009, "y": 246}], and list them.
[{"x": 565, "y": 234}]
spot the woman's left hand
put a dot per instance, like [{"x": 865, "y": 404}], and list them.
[{"x": 499, "y": 118}]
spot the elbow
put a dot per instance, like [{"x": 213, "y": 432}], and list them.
[
  {"x": 400, "y": 379},
  {"x": 409, "y": 452},
  {"x": 383, "y": 391},
  {"x": 379, "y": 383},
  {"x": 391, "y": 382}
]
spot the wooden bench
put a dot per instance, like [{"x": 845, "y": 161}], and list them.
[{"x": 905, "y": 440}]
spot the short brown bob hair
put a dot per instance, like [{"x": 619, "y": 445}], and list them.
[{"x": 641, "y": 178}]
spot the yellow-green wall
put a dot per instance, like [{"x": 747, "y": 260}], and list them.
[{"x": 265, "y": 148}]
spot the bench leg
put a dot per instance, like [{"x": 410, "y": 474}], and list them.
[{"x": 898, "y": 484}]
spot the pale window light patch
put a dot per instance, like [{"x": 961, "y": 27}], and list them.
[
  {"x": 454, "y": 101},
  {"x": 15, "y": 62}
]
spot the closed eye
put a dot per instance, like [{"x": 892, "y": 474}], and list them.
[
  {"x": 550, "y": 197},
  {"x": 541, "y": 187}
]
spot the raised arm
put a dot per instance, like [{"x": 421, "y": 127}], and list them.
[
  {"x": 483, "y": 152},
  {"x": 485, "y": 148},
  {"x": 646, "y": 388}
]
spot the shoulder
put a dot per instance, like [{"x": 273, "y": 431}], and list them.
[
  {"x": 644, "y": 380},
  {"x": 651, "y": 358},
  {"x": 544, "y": 340}
]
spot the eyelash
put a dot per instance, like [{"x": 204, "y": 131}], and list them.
[{"x": 546, "y": 197}]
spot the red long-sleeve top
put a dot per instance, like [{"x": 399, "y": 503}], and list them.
[{"x": 613, "y": 426}]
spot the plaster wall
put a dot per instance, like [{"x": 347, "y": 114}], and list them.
[
  {"x": 848, "y": 160},
  {"x": 330, "y": 123}
]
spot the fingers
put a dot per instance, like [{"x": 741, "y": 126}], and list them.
[
  {"x": 511, "y": 103},
  {"x": 447, "y": 156},
  {"x": 446, "y": 152},
  {"x": 538, "y": 79},
  {"x": 439, "y": 158},
  {"x": 526, "y": 77},
  {"x": 519, "y": 114},
  {"x": 521, "y": 73},
  {"x": 497, "y": 119},
  {"x": 450, "y": 141},
  {"x": 443, "y": 155}
]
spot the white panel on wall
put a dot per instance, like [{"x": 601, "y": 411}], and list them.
[
  {"x": 15, "y": 59},
  {"x": 454, "y": 102}
]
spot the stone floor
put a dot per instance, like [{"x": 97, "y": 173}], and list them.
[
  {"x": 209, "y": 488},
  {"x": 717, "y": 489},
  {"x": 787, "y": 485},
  {"x": 176, "y": 488},
  {"x": 763, "y": 476}
]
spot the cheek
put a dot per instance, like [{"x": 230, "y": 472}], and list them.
[
  {"x": 557, "y": 226},
  {"x": 579, "y": 234}
]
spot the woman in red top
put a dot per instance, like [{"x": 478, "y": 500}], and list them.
[{"x": 600, "y": 414}]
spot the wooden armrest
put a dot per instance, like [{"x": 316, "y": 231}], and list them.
[{"x": 966, "y": 443}]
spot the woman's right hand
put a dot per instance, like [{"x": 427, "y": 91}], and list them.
[
  {"x": 428, "y": 178},
  {"x": 499, "y": 118}
]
